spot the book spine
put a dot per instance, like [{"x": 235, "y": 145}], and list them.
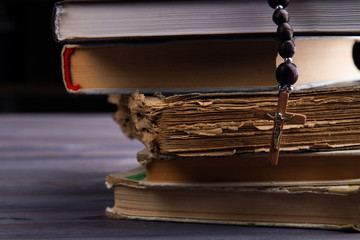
[{"x": 66, "y": 55}]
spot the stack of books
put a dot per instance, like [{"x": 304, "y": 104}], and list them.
[{"x": 187, "y": 77}]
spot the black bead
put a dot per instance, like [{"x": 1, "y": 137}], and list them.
[
  {"x": 287, "y": 74},
  {"x": 285, "y": 31},
  {"x": 274, "y": 3},
  {"x": 287, "y": 49},
  {"x": 280, "y": 16}
]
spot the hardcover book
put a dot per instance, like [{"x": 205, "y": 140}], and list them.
[
  {"x": 325, "y": 206},
  {"x": 84, "y": 21},
  {"x": 311, "y": 168},
  {"x": 224, "y": 124},
  {"x": 193, "y": 66}
]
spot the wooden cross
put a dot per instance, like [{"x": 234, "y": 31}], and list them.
[{"x": 280, "y": 116}]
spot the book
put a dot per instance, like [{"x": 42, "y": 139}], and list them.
[
  {"x": 223, "y": 124},
  {"x": 84, "y": 21},
  {"x": 325, "y": 206},
  {"x": 333, "y": 167},
  {"x": 203, "y": 66}
]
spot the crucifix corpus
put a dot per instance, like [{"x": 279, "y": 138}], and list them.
[{"x": 286, "y": 75}]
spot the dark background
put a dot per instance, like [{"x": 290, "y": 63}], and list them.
[{"x": 30, "y": 64}]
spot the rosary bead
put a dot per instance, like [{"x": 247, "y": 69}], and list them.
[
  {"x": 287, "y": 74},
  {"x": 287, "y": 49},
  {"x": 280, "y": 16},
  {"x": 285, "y": 31},
  {"x": 274, "y": 3}
]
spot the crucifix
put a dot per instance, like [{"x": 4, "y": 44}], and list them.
[{"x": 280, "y": 116}]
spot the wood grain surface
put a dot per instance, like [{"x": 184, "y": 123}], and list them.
[{"x": 52, "y": 173}]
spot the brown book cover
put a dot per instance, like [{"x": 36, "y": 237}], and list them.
[{"x": 320, "y": 168}]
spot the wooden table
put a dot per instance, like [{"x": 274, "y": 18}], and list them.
[{"x": 52, "y": 172}]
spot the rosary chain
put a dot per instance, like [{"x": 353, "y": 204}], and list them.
[{"x": 287, "y": 72}]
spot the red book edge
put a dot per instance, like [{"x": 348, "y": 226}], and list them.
[{"x": 67, "y": 73}]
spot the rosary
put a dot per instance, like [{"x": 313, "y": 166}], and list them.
[{"x": 286, "y": 75}]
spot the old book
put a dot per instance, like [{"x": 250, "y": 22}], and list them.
[
  {"x": 329, "y": 207},
  {"x": 80, "y": 21},
  {"x": 331, "y": 167},
  {"x": 228, "y": 65},
  {"x": 223, "y": 124}
]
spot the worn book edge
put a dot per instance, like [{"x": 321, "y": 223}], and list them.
[
  {"x": 114, "y": 214},
  {"x": 144, "y": 113}
]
